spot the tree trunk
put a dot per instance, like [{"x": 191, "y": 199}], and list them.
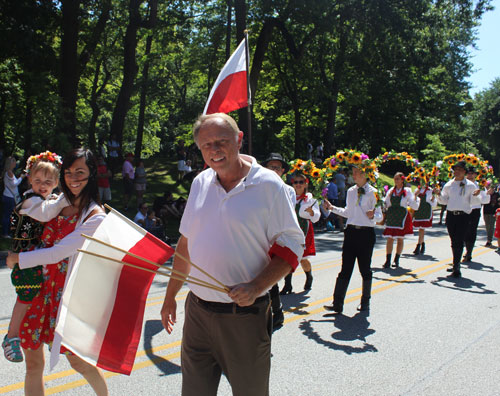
[
  {"x": 145, "y": 80},
  {"x": 228, "y": 28},
  {"x": 68, "y": 81},
  {"x": 96, "y": 110},
  {"x": 28, "y": 119},
  {"x": 129, "y": 71}
]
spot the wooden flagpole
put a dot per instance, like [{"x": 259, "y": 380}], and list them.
[
  {"x": 249, "y": 93},
  {"x": 178, "y": 254},
  {"x": 226, "y": 289},
  {"x": 207, "y": 285}
]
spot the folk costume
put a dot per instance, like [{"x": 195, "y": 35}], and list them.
[
  {"x": 422, "y": 218},
  {"x": 359, "y": 240},
  {"x": 470, "y": 236},
  {"x": 61, "y": 238},
  {"x": 457, "y": 195},
  {"x": 398, "y": 219},
  {"x": 306, "y": 221},
  {"x": 26, "y": 224}
]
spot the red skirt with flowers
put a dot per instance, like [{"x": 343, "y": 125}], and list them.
[
  {"x": 39, "y": 322},
  {"x": 310, "y": 249},
  {"x": 392, "y": 232}
]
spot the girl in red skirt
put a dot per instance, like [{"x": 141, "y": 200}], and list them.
[
  {"x": 398, "y": 220},
  {"x": 307, "y": 209},
  {"x": 422, "y": 218}
]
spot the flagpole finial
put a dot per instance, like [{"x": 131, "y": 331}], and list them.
[{"x": 245, "y": 31}]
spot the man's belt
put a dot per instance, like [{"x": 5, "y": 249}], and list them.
[
  {"x": 356, "y": 227},
  {"x": 456, "y": 212},
  {"x": 219, "y": 307}
]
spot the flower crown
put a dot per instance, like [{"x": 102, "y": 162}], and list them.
[
  {"x": 485, "y": 171},
  {"x": 346, "y": 158},
  {"x": 46, "y": 156},
  {"x": 308, "y": 169}
]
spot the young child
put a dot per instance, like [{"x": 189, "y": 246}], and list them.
[{"x": 26, "y": 229}]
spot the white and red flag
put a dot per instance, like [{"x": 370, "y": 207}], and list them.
[
  {"x": 230, "y": 91},
  {"x": 102, "y": 307}
]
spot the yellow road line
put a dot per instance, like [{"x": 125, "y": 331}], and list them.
[{"x": 389, "y": 283}]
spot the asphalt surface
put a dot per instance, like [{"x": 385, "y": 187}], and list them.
[{"x": 426, "y": 334}]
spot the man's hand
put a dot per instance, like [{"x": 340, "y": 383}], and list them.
[
  {"x": 370, "y": 214},
  {"x": 244, "y": 294},
  {"x": 476, "y": 193},
  {"x": 327, "y": 205},
  {"x": 310, "y": 211},
  {"x": 12, "y": 259},
  {"x": 168, "y": 314}
]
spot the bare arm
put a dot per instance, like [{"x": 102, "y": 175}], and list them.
[{"x": 169, "y": 308}]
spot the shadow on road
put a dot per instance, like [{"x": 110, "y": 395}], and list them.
[
  {"x": 474, "y": 265},
  {"x": 400, "y": 272},
  {"x": 151, "y": 328},
  {"x": 350, "y": 330},
  {"x": 462, "y": 284},
  {"x": 294, "y": 302}
]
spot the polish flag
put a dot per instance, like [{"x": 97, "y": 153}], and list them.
[
  {"x": 102, "y": 307},
  {"x": 230, "y": 89}
]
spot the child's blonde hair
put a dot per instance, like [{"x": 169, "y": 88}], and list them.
[{"x": 48, "y": 168}]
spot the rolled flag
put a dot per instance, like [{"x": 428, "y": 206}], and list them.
[
  {"x": 102, "y": 307},
  {"x": 230, "y": 90}
]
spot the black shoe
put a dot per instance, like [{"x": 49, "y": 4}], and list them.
[
  {"x": 417, "y": 250},
  {"x": 387, "y": 264},
  {"x": 449, "y": 269},
  {"x": 422, "y": 248},
  {"x": 309, "y": 280},
  {"x": 456, "y": 274},
  {"x": 364, "y": 306},
  {"x": 488, "y": 244},
  {"x": 278, "y": 319},
  {"x": 395, "y": 264},
  {"x": 334, "y": 308},
  {"x": 286, "y": 290},
  {"x": 467, "y": 258}
]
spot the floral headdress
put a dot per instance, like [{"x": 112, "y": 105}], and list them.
[
  {"x": 46, "y": 156},
  {"x": 308, "y": 169},
  {"x": 485, "y": 172},
  {"x": 352, "y": 158}
]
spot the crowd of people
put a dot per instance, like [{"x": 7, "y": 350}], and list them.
[{"x": 245, "y": 223}]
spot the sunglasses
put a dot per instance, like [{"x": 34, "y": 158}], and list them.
[{"x": 298, "y": 182}]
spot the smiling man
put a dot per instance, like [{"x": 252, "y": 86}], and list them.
[{"x": 240, "y": 227}]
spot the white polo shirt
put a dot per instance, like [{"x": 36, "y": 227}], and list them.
[{"x": 230, "y": 234}]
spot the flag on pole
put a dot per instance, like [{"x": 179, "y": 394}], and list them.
[
  {"x": 102, "y": 308},
  {"x": 230, "y": 91}
]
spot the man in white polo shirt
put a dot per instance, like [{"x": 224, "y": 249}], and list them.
[
  {"x": 457, "y": 194},
  {"x": 239, "y": 226}
]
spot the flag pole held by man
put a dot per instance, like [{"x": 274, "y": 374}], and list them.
[{"x": 240, "y": 226}]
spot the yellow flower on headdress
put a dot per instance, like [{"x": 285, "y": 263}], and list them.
[
  {"x": 460, "y": 157},
  {"x": 300, "y": 163},
  {"x": 315, "y": 172},
  {"x": 356, "y": 158},
  {"x": 340, "y": 156},
  {"x": 474, "y": 161}
]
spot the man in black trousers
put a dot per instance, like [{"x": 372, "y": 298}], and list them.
[{"x": 457, "y": 194}]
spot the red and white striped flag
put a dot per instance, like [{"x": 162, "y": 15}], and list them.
[
  {"x": 102, "y": 308},
  {"x": 230, "y": 91}
]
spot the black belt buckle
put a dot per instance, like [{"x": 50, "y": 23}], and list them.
[
  {"x": 219, "y": 307},
  {"x": 457, "y": 212},
  {"x": 359, "y": 227}
]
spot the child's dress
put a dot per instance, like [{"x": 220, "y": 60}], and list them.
[
  {"x": 39, "y": 322},
  {"x": 497, "y": 224}
]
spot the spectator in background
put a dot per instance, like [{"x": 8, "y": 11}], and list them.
[
  {"x": 103, "y": 175},
  {"x": 309, "y": 150},
  {"x": 154, "y": 225},
  {"x": 319, "y": 152},
  {"x": 140, "y": 181},
  {"x": 489, "y": 216},
  {"x": 113, "y": 154},
  {"x": 128, "y": 179},
  {"x": 10, "y": 195},
  {"x": 140, "y": 217},
  {"x": 101, "y": 148}
]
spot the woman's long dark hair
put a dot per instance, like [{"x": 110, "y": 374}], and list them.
[{"x": 90, "y": 192}]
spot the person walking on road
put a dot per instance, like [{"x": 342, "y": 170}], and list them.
[
  {"x": 359, "y": 239},
  {"x": 489, "y": 216},
  {"x": 483, "y": 198},
  {"x": 276, "y": 163},
  {"x": 240, "y": 227},
  {"x": 457, "y": 195},
  {"x": 398, "y": 220},
  {"x": 307, "y": 209},
  {"x": 422, "y": 218}
]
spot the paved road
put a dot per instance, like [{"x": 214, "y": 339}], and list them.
[{"x": 426, "y": 334}]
